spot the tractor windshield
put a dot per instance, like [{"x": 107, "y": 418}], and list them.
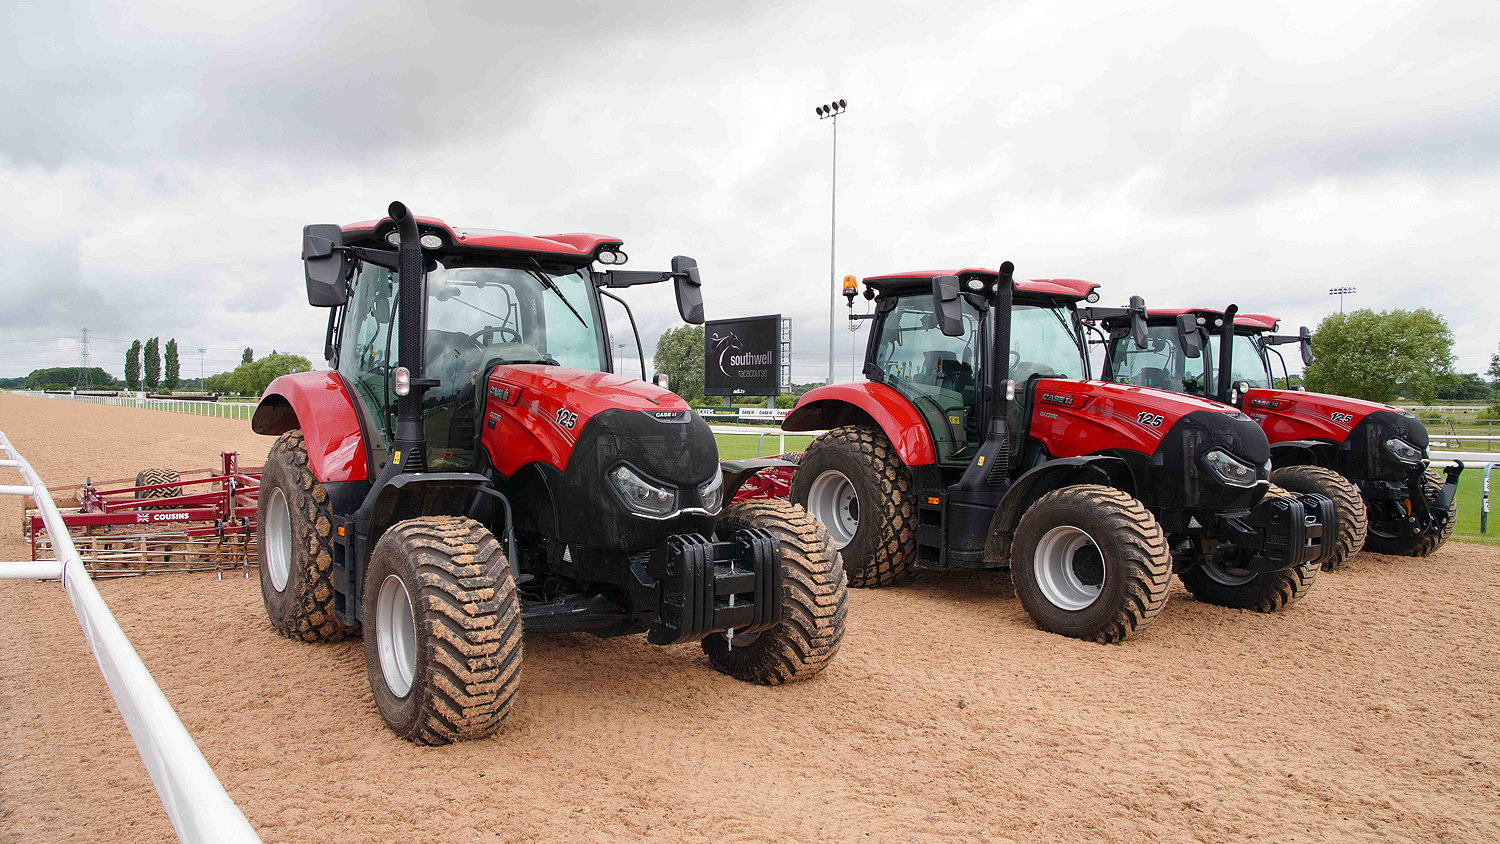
[
  {"x": 1248, "y": 363},
  {"x": 1161, "y": 364},
  {"x": 478, "y": 316},
  {"x": 1043, "y": 343}
]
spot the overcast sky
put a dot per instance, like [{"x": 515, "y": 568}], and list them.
[{"x": 158, "y": 161}]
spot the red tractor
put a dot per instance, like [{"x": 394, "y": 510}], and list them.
[
  {"x": 470, "y": 467},
  {"x": 979, "y": 442},
  {"x": 1371, "y": 459}
]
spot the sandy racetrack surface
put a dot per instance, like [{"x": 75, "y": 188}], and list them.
[{"x": 1367, "y": 713}]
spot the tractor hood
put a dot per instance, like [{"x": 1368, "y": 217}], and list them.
[
  {"x": 1293, "y": 415},
  {"x": 558, "y": 437},
  {"x": 1086, "y": 417},
  {"x": 536, "y": 413}
]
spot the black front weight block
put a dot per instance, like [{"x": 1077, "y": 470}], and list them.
[
  {"x": 1283, "y": 531},
  {"x": 704, "y": 587}
]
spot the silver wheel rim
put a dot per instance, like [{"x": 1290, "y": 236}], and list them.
[
  {"x": 1064, "y": 568},
  {"x": 278, "y": 540},
  {"x": 832, "y": 500},
  {"x": 1227, "y": 575},
  {"x": 395, "y": 636}
]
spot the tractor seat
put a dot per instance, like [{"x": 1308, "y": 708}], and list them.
[{"x": 1151, "y": 376}]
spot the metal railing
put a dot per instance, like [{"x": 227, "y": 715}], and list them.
[
  {"x": 195, "y": 801},
  {"x": 760, "y": 434}
]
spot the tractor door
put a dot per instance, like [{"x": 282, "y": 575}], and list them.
[
  {"x": 940, "y": 375},
  {"x": 366, "y": 352}
]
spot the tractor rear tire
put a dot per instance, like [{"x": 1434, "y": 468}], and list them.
[
  {"x": 1348, "y": 506},
  {"x": 1223, "y": 584},
  {"x": 155, "y": 476},
  {"x": 1091, "y": 562},
  {"x": 1417, "y": 545},
  {"x": 814, "y": 595},
  {"x": 852, "y": 480},
  {"x": 294, "y": 538},
  {"x": 442, "y": 630}
]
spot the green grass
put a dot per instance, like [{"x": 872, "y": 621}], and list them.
[
  {"x": 1470, "y": 486},
  {"x": 740, "y": 446}
]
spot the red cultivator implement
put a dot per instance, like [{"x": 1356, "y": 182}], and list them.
[{"x": 164, "y": 520}]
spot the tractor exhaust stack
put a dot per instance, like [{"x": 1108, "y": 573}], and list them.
[{"x": 410, "y": 451}]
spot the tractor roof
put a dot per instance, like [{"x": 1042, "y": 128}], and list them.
[
  {"x": 1061, "y": 288},
  {"x": 1247, "y": 323},
  {"x": 573, "y": 248},
  {"x": 1261, "y": 322}
]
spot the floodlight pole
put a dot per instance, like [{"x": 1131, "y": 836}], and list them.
[
  {"x": 1341, "y": 292},
  {"x": 833, "y": 110}
]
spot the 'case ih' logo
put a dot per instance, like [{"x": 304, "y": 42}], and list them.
[
  {"x": 1057, "y": 399},
  {"x": 501, "y": 393},
  {"x": 1341, "y": 418},
  {"x": 1263, "y": 402}
]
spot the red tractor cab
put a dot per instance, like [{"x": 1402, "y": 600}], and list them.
[
  {"x": 979, "y": 441},
  {"x": 471, "y": 466},
  {"x": 1370, "y": 458}
]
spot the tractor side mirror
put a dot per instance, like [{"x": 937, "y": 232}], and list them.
[
  {"x": 1306, "y": 336},
  {"x": 946, "y": 306},
  {"x": 1189, "y": 336},
  {"x": 325, "y": 264},
  {"x": 1138, "y": 321},
  {"x": 689, "y": 287}
]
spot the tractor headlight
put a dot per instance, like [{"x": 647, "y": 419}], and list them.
[
  {"x": 712, "y": 492},
  {"x": 1230, "y": 470},
  {"x": 1403, "y": 450},
  {"x": 641, "y": 495}
]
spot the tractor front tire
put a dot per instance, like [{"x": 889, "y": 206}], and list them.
[
  {"x": 814, "y": 594},
  {"x": 1221, "y": 583},
  {"x": 442, "y": 630},
  {"x": 1091, "y": 562},
  {"x": 852, "y": 480},
  {"x": 1348, "y": 506},
  {"x": 1421, "y": 544},
  {"x": 294, "y": 539}
]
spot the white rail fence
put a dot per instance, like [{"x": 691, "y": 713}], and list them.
[
  {"x": 217, "y": 410},
  {"x": 195, "y": 801}
]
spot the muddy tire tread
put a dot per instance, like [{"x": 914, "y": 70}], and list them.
[
  {"x": 814, "y": 599},
  {"x": 313, "y": 618},
  {"x": 1353, "y": 517},
  {"x": 895, "y": 547},
  {"x": 471, "y": 625}
]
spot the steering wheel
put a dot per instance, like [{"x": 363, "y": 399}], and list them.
[{"x": 489, "y": 332}]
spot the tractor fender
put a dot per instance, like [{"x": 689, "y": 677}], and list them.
[
  {"x": 866, "y": 403},
  {"x": 1301, "y": 453},
  {"x": 319, "y": 404},
  {"x": 1054, "y": 474}
]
